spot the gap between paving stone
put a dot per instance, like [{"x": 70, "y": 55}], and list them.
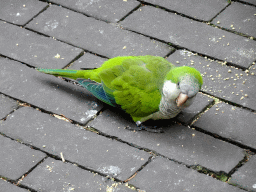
[
  {"x": 136, "y": 171},
  {"x": 224, "y": 82},
  {"x": 54, "y": 136},
  {"x": 109, "y": 11},
  {"x": 16, "y": 159},
  {"x": 99, "y": 37},
  {"x": 52, "y": 175},
  {"x": 184, "y": 142},
  {"x": 20, "y": 12},
  {"x": 222, "y": 176},
  {"x": 44, "y": 91},
  {"x": 7, "y": 186},
  {"x": 33, "y": 49},
  {"x": 164, "y": 175},
  {"x": 192, "y": 10},
  {"x": 197, "y": 38}
]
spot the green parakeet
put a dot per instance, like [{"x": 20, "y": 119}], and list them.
[{"x": 146, "y": 87}]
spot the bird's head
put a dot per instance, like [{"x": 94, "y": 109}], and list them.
[{"x": 185, "y": 82}]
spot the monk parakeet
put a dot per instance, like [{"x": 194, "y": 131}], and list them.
[{"x": 146, "y": 87}]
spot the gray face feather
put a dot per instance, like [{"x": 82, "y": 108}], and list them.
[{"x": 189, "y": 86}]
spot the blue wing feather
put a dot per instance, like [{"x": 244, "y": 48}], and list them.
[{"x": 97, "y": 89}]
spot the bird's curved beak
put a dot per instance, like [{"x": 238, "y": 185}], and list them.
[{"x": 181, "y": 99}]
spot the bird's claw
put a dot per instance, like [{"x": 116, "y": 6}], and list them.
[{"x": 138, "y": 123}]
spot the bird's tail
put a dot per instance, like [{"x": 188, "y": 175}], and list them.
[{"x": 73, "y": 74}]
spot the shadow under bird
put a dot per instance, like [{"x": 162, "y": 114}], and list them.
[{"x": 146, "y": 87}]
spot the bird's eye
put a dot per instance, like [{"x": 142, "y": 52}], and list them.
[{"x": 178, "y": 84}]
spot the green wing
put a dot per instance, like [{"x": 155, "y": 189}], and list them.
[
  {"x": 133, "y": 82},
  {"x": 136, "y": 84}
]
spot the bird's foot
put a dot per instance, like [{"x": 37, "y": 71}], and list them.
[
  {"x": 138, "y": 123},
  {"x": 149, "y": 128}
]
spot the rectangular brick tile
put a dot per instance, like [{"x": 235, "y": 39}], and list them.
[
  {"x": 94, "y": 35},
  {"x": 193, "y": 35},
  {"x": 238, "y": 17},
  {"x": 33, "y": 49},
  {"x": 249, "y": 1},
  {"x": 245, "y": 176},
  {"x": 88, "y": 61},
  {"x": 8, "y": 187},
  {"x": 107, "y": 10},
  {"x": 220, "y": 80},
  {"x": 20, "y": 12},
  {"x": 176, "y": 142},
  {"x": 194, "y": 8},
  {"x": 7, "y": 106},
  {"x": 230, "y": 122},
  {"x": 47, "y": 92},
  {"x": 80, "y": 146},
  {"x": 165, "y": 175},
  {"x": 16, "y": 159},
  {"x": 56, "y": 176}
]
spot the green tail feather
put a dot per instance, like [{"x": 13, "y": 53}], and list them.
[{"x": 73, "y": 74}]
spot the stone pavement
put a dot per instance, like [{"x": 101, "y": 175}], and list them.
[{"x": 55, "y": 136}]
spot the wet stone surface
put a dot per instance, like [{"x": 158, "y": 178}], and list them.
[
  {"x": 56, "y": 136},
  {"x": 88, "y": 61},
  {"x": 16, "y": 159},
  {"x": 238, "y": 17},
  {"x": 106, "y": 10},
  {"x": 54, "y": 175},
  {"x": 194, "y": 8},
  {"x": 20, "y": 12},
  {"x": 7, "y": 106},
  {"x": 33, "y": 49},
  {"x": 9, "y": 187},
  {"x": 95, "y": 36},
  {"x": 45, "y": 91},
  {"x": 78, "y": 145},
  {"x": 220, "y": 80},
  {"x": 164, "y": 175},
  {"x": 200, "y": 37},
  {"x": 224, "y": 120},
  {"x": 245, "y": 176},
  {"x": 175, "y": 142},
  {"x": 250, "y": 2}
]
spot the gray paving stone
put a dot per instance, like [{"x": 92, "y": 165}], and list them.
[
  {"x": 230, "y": 122},
  {"x": 57, "y": 176},
  {"x": 7, "y": 105},
  {"x": 87, "y": 61},
  {"x": 220, "y": 80},
  {"x": 20, "y": 12},
  {"x": 249, "y": 1},
  {"x": 8, "y": 187},
  {"x": 193, "y": 35},
  {"x": 33, "y": 49},
  {"x": 238, "y": 17},
  {"x": 245, "y": 176},
  {"x": 177, "y": 142},
  {"x": 47, "y": 92},
  {"x": 200, "y": 103},
  {"x": 94, "y": 35},
  {"x": 205, "y": 10},
  {"x": 107, "y": 10},
  {"x": 77, "y": 145},
  {"x": 16, "y": 159},
  {"x": 164, "y": 175}
]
